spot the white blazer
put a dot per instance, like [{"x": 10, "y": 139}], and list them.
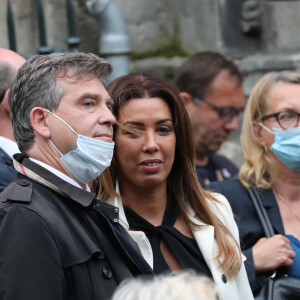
[{"x": 237, "y": 288}]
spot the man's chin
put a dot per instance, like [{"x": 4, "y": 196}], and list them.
[
  {"x": 212, "y": 151},
  {"x": 216, "y": 144},
  {"x": 208, "y": 151}
]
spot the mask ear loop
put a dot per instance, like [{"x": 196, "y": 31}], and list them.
[
  {"x": 55, "y": 147},
  {"x": 45, "y": 109},
  {"x": 265, "y": 127},
  {"x": 60, "y": 120}
]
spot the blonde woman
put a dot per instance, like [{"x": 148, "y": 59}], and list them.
[
  {"x": 176, "y": 224},
  {"x": 271, "y": 143}
]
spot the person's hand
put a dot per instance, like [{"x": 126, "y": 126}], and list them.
[{"x": 271, "y": 253}]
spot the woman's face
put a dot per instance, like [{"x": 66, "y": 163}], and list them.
[
  {"x": 283, "y": 97},
  {"x": 145, "y": 158}
]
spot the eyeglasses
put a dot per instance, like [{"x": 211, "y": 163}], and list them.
[
  {"x": 226, "y": 113},
  {"x": 285, "y": 119}
]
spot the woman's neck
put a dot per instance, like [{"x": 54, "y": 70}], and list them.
[
  {"x": 287, "y": 184},
  {"x": 150, "y": 204}
]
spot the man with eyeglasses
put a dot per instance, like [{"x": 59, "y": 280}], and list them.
[
  {"x": 211, "y": 89},
  {"x": 10, "y": 62}
]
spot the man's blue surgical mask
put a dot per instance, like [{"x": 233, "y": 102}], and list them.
[
  {"x": 286, "y": 145},
  {"x": 89, "y": 159}
]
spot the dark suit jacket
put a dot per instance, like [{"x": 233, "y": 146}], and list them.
[
  {"x": 247, "y": 220},
  {"x": 59, "y": 242},
  {"x": 7, "y": 171},
  {"x": 218, "y": 168}
]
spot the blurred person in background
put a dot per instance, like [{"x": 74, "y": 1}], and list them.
[
  {"x": 211, "y": 89},
  {"x": 179, "y": 286},
  {"x": 10, "y": 62}
]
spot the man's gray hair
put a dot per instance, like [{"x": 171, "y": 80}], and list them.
[{"x": 36, "y": 86}]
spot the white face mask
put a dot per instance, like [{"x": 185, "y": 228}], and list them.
[{"x": 89, "y": 159}]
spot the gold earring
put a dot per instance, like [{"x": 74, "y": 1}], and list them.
[{"x": 266, "y": 148}]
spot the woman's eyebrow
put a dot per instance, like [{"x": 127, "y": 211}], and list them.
[
  {"x": 133, "y": 123},
  {"x": 164, "y": 121},
  {"x": 142, "y": 124}
]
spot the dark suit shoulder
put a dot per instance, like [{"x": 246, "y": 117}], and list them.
[
  {"x": 236, "y": 194},
  {"x": 64, "y": 220},
  {"x": 230, "y": 186},
  {"x": 220, "y": 161},
  {"x": 7, "y": 171}
]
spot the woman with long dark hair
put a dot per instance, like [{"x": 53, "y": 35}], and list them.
[{"x": 176, "y": 224}]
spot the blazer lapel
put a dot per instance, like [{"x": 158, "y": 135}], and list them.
[
  {"x": 270, "y": 204},
  {"x": 205, "y": 240}
]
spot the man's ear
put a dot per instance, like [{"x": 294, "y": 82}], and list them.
[
  {"x": 257, "y": 130},
  {"x": 40, "y": 122},
  {"x": 186, "y": 98},
  {"x": 188, "y": 102},
  {"x": 5, "y": 101}
]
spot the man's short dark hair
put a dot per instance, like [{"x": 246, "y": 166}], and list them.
[{"x": 197, "y": 73}]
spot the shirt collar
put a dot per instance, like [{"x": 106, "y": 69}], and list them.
[
  {"x": 9, "y": 146},
  {"x": 42, "y": 175},
  {"x": 59, "y": 174}
]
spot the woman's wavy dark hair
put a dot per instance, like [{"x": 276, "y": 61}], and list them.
[{"x": 182, "y": 181}]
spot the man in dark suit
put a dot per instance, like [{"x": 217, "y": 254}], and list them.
[
  {"x": 10, "y": 62},
  {"x": 211, "y": 89},
  {"x": 57, "y": 240}
]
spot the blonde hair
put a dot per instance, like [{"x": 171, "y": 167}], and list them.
[
  {"x": 178, "y": 286},
  {"x": 257, "y": 168}
]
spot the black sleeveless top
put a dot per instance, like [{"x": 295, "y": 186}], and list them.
[{"x": 185, "y": 249}]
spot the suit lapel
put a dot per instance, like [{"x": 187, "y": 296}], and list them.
[{"x": 270, "y": 204}]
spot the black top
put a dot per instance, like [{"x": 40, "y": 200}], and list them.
[{"x": 185, "y": 249}]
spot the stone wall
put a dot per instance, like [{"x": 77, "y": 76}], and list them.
[
  {"x": 164, "y": 27},
  {"x": 163, "y": 32}
]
